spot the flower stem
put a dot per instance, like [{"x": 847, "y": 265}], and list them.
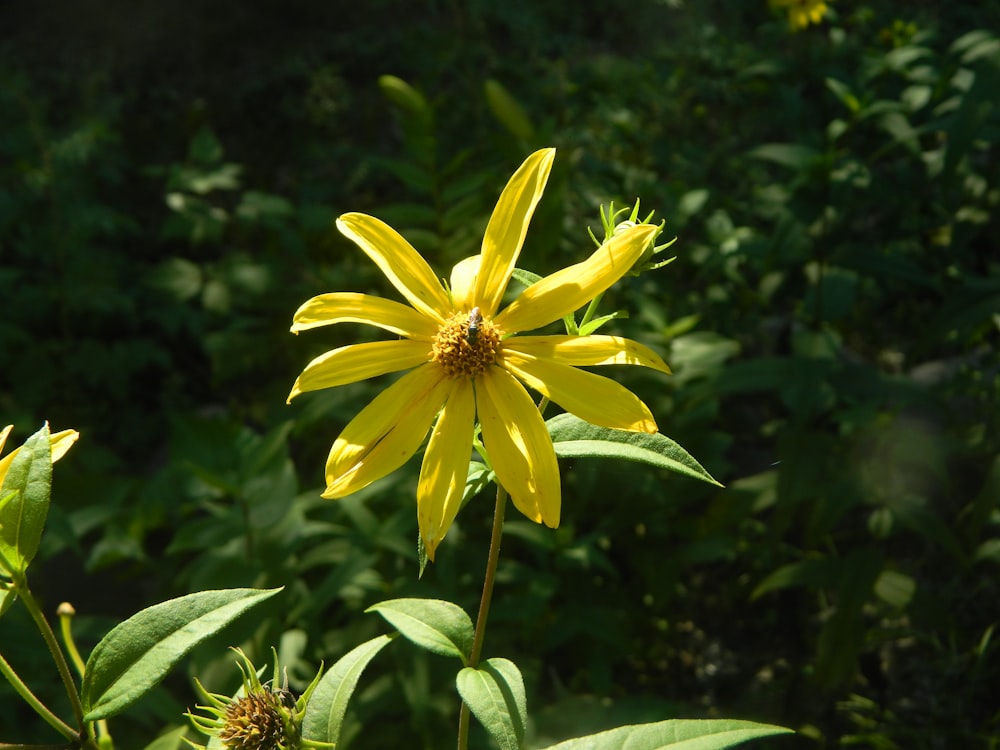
[
  {"x": 484, "y": 606},
  {"x": 57, "y": 654}
]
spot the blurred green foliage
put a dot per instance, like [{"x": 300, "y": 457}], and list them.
[{"x": 167, "y": 190}]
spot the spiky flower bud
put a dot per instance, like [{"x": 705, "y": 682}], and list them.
[{"x": 259, "y": 717}]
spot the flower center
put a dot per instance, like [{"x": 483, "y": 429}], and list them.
[
  {"x": 254, "y": 722},
  {"x": 466, "y": 344}
]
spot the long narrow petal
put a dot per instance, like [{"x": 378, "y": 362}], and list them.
[
  {"x": 574, "y": 286},
  {"x": 402, "y": 265},
  {"x": 351, "y": 307},
  {"x": 446, "y": 465},
  {"x": 587, "y": 350},
  {"x": 519, "y": 446},
  {"x": 386, "y": 432},
  {"x": 463, "y": 283},
  {"x": 508, "y": 226},
  {"x": 355, "y": 362},
  {"x": 593, "y": 398}
]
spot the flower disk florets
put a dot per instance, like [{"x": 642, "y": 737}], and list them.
[
  {"x": 465, "y": 354},
  {"x": 258, "y": 721}
]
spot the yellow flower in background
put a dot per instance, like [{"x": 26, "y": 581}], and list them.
[
  {"x": 801, "y": 13},
  {"x": 465, "y": 363},
  {"x": 60, "y": 442}
]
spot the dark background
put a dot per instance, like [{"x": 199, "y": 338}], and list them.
[{"x": 169, "y": 175}]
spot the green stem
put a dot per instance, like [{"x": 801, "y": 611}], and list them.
[
  {"x": 57, "y": 655},
  {"x": 32, "y": 700},
  {"x": 484, "y": 607},
  {"x": 66, "y": 613},
  {"x": 591, "y": 310}
]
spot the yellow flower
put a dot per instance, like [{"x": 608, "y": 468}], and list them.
[
  {"x": 60, "y": 442},
  {"x": 802, "y": 12},
  {"x": 457, "y": 375}
]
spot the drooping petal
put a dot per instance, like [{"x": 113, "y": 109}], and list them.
[
  {"x": 593, "y": 398},
  {"x": 463, "y": 283},
  {"x": 61, "y": 442},
  {"x": 587, "y": 350},
  {"x": 355, "y": 362},
  {"x": 446, "y": 465},
  {"x": 519, "y": 446},
  {"x": 401, "y": 264},
  {"x": 351, "y": 307},
  {"x": 572, "y": 287},
  {"x": 386, "y": 432},
  {"x": 508, "y": 226}
]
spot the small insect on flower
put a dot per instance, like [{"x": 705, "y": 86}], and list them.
[{"x": 475, "y": 319}]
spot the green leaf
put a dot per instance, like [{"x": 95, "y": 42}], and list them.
[
  {"x": 22, "y": 517},
  {"x": 793, "y": 155},
  {"x": 494, "y": 692},
  {"x": 478, "y": 478},
  {"x": 325, "y": 710},
  {"x": 573, "y": 438},
  {"x": 438, "y": 626},
  {"x": 172, "y": 740},
  {"x": 895, "y": 588},
  {"x": 508, "y": 110},
  {"x": 677, "y": 734},
  {"x": 597, "y": 323},
  {"x": 137, "y": 654},
  {"x": 821, "y": 572}
]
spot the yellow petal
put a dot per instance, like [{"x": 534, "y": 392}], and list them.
[
  {"x": 5, "y": 461},
  {"x": 463, "y": 283},
  {"x": 519, "y": 446},
  {"x": 401, "y": 264},
  {"x": 446, "y": 465},
  {"x": 355, "y": 362},
  {"x": 569, "y": 289},
  {"x": 60, "y": 443},
  {"x": 351, "y": 307},
  {"x": 592, "y": 398},
  {"x": 587, "y": 350},
  {"x": 385, "y": 433},
  {"x": 508, "y": 226}
]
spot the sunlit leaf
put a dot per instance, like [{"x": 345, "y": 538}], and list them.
[
  {"x": 137, "y": 654},
  {"x": 494, "y": 692},
  {"x": 438, "y": 626},
  {"x": 325, "y": 710},
  {"x": 574, "y": 438},
  {"x": 676, "y": 734}
]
